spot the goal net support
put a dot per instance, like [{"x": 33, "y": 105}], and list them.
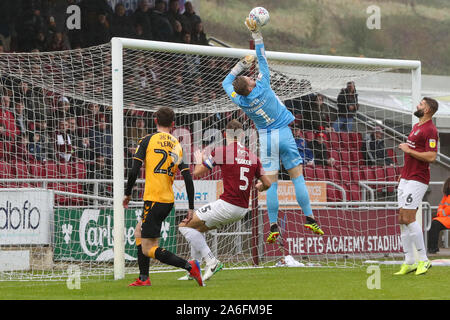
[{"x": 71, "y": 120}]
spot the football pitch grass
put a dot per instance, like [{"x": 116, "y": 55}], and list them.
[{"x": 359, "y": 283}]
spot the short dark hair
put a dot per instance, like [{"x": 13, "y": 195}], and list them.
[
  {"x": 432, "y": 103},
  {"x": 165, "y": 116},
  {"x": 235, "y": 128},
  {"x": 240, "y": 86},
  {"x": 446, "y": 188},
  {"x": 234, "y": 125}
]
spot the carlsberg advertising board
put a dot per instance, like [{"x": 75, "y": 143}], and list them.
[{"x": 87, "y": 234}]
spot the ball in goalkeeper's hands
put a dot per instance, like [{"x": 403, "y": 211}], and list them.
[{"x": 260, "y": 15}]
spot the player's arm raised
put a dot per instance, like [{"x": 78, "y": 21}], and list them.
[{"x": 260, "y": 51}]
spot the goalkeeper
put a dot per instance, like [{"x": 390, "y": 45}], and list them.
[{"x": 272, "y": 119}]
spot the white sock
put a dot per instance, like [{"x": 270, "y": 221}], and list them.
[
  {"x": 407, "y": 244},
  {"x": 198, "y": 242},
  {"x": 196, "y": 255},
  {"x": 415, "y": 233}
]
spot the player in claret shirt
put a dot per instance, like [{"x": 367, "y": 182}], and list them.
[
  {"x": 239, "y": 169},
  {"x": 420, "y": 150}
]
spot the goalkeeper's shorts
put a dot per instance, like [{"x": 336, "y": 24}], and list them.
[{"x": 276, "y": 145}]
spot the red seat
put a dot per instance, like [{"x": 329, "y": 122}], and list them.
[
  {"x": 345, "y": 175},
  {"x": 334, "y": 175},
  {"x": 355, "y": 141},
  {"x": 65, "y": 170},
  {"x": 390, "y": 176},
  {"x": 355, "y": 192},
  {"x": 357, "y": 158},
  {"x": 309, "y": 173},
  {"x": 380, "y": 175},
  {"x": 358, "y": 174},
  {"x": 20, "y": 171},
  {"x": 334, "y": 140},
  {"x": 320, "y": 173},
  {"x": 51, "y": 170},
  {"x": 344, "y": 140},
  {"x": 79, "y": 170},
  {"x": 334, "y": 194},
  {"x": 391, "y": 154},
  {"x": 6, "y": 172},
  {"x": 309, "y": 135},
  {"x": 345, "y": 158}
]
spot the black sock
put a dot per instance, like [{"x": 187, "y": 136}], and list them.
[
  {"x": 310, "y": 220},
  {"x": 144, "y": 264},
  {"x": 274, "y": 227},
  {"x": 169, "y": 258}
]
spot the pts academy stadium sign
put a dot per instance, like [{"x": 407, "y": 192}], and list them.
[{"x": 347, "y": 231}]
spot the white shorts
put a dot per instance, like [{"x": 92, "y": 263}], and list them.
[
  {"x": 219, "y": 212},
  {"x": 410, "y": 193}
]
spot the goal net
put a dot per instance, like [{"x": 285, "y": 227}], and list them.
[{"x": 70, "y": 122}]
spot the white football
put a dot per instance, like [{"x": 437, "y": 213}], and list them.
[{"x": 260, "y": 15}]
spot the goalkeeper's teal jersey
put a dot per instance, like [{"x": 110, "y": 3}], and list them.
[{"x": 262, "y": 105}]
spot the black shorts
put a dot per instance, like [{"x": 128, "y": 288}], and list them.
[{"x": 152, "y": 218}]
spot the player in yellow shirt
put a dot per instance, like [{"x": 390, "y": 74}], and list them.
[{"x": 161, "y": 154}]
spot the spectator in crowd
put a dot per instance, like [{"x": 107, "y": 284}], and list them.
[
  {"x": 347, "y": 104},
  {"x": 138, "y": 130},
  {"x": 320, "y": 150},
  {"x": 129, "y": 154},
  {"x": 101, "y": 138},
  {"x": 85, "y": 150},
  {"x": 58, "y": 43},
  {"x": 321, "y": 115},
  {"x": 191, "y": 17},
  {"x": 45, "y": 138},
  {"x": 36, "y": 147},
  {"x": 99, "y": 170},
  {"x": 21, "y": 119},
  {"x": 7, "y": 120},
  {"x": 161, "y": 25},
  {"x": 374, "y": 149},
  {"x": 307, "y": 102},
  {"x": 177, "y": 32},
  {"x": 305, "y": 152},
  {"x": 20, "y": 149},
  {"x": 63, "y": 142},
  {"x": 173, "y": 13},
  {"x": 102, "y": 31},
  {"x": 143, "y": 17},
  {"x": 40, "y": 41},
  {"x": 198, "y": 35},
  {"x": 122, "y": 25},
  {"x": 441, "y": 221}
]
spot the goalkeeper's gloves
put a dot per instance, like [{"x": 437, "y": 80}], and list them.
[
  {"x": 245, "y": 63},
  {"x": 252, "y": 26}
]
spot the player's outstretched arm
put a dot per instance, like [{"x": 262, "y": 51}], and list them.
[{"x": 260, "y": 50}]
